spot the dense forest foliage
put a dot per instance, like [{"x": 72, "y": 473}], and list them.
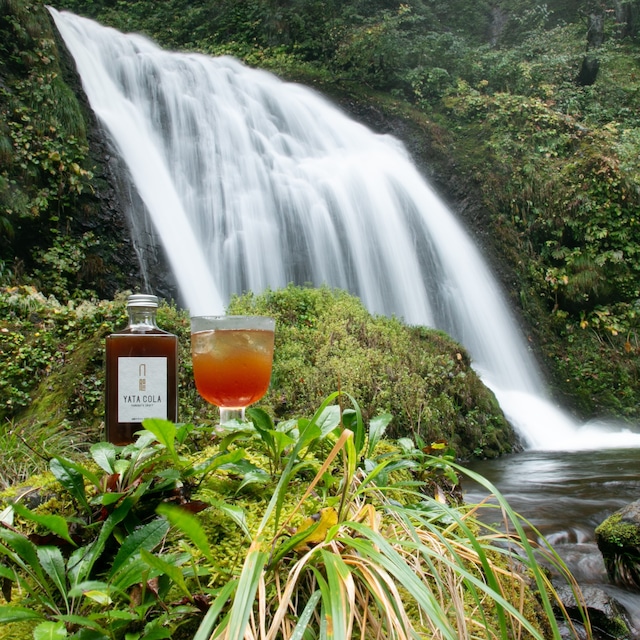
[{"x": 534, "y": 105}]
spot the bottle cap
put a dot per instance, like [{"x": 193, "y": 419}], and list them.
[{"x": 142, "y": 300}]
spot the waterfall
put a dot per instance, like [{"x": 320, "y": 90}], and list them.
[{"x": 252, "y": 182}]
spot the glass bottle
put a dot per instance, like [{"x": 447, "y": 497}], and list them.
[{"x": 141, "y": 372}]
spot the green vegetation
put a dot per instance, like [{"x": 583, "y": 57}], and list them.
[
  {"x": 54, "y": 233},
  {"x": 492, "y": 89},
  {"x": 52, "y": 381},
  {"x": 618, "y": 539},
  {"x": 170, "y": 538}
]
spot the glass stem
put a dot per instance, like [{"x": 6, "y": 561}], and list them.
[{"x": 226, "y": 415}]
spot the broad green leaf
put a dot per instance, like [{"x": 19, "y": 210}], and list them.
[
  {"x": 260, "y": 418},
  {"x": 22, "y": 551},
  {"x": 107, "y": 499},
  {"x": 281, "y": 441},
  {"x": 406, "y": 444},
  {"x": 82, "y": 560},
  {"x": 165, "y": 433},
  {"x": 50, "y": 631},
  {"x": 81, "y": 588},
  {"x": 189, "y": 525},
  {"x": 237, "y": 514},
  {"x": 99, "y": 596},
  {"x": 121, "y": 466},
  {"x": 234, "y": 431},
  {"x": 104, "y": 453},
  {"x": 56, "y": 524},
  {"x": 356, "y": 425},
  {"x": 158, "y": 633},
  {"x": 377, "y": 428},
  {"x": 133, "y": 572},
  {"x": 227, "y": 457},
  {"x": 9, "y": 613},
  {"x": 258, "y": 476},
  {"x": 182, "y": 431},
  {"x": 89, "y": 628},
  {"x": 171, "y": 570},
  {"x": 328, "y": 420},
  {"x": 289, "y": 426},
  {"x": 146, "y": 537},
  {"x": 6, "y": 572},
  {"x": 53, "y": 563},
  {"x": 71, "y": 478}
]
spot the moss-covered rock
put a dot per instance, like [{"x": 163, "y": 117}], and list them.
[
  {"x": 52, "y": 387},
  {"x": 326, "y": 341},
  {"x": 618, "y": 539}
]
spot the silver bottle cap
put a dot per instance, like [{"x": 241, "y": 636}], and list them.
[{"x": 142, "y": 300}]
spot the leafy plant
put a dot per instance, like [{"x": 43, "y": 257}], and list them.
[
  {"x": 382, "y": 556},
  {"x": 371, "y": 566}
]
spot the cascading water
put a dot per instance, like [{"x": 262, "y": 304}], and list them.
[{"x": 254, "y": 183}]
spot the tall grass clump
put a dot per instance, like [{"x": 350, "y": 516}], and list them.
[{"x": 314, "y": 527}]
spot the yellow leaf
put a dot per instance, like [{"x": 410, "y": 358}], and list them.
[{"x": 318, "y": 524}]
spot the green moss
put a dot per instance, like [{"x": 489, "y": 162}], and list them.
[
  {"x": 614, "y": 533},
  {"x": 326, "y": 339},
  {"x": 17, "y": 630},
  {"x": 52, "y": 387}
]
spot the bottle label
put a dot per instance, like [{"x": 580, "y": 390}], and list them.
[{"x": 142, "y": 389}]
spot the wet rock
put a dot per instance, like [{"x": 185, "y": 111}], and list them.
[
  {"x": 609, "y": 619},
  {"x": 618, "y": 539}
]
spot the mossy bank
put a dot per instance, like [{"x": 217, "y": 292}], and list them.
[{"x": 52, "y": 385}]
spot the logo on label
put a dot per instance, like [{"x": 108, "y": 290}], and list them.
[{"x": 142, "y": 388}]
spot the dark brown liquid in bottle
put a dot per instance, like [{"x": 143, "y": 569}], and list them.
[{"x": 151, "y": 343}]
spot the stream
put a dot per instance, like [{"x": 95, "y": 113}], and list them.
[{"x": 566, "y": 495}]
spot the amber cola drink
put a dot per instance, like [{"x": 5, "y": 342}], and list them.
[{"x": 141, "y": 372}]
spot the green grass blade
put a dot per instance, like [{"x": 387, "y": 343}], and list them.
[
  {"x": 537, "y": 572},
  {"x": 305, "y": 616},
  {"x": 246, "y": 592},
  {"x": 206, "y": 626},
  {"x": 382, "y": 553},
  {"x": 338, "y": 596}
]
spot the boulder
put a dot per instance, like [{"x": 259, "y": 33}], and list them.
[
  {"x": 609, "y": 619},
  {"x": 618, "y": 539}
]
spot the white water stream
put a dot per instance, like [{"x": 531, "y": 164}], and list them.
[{"x": 252, "y": 183}]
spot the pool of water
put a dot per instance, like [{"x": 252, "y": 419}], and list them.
[{"x": 565, "y": 496}]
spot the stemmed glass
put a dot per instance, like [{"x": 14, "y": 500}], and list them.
[{"x": 232, "y": 361}]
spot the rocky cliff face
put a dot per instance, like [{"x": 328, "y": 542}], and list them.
[{"x": 128, "y": 265}]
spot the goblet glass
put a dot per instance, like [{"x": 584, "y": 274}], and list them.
[{"x": 232, "y": 360}]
